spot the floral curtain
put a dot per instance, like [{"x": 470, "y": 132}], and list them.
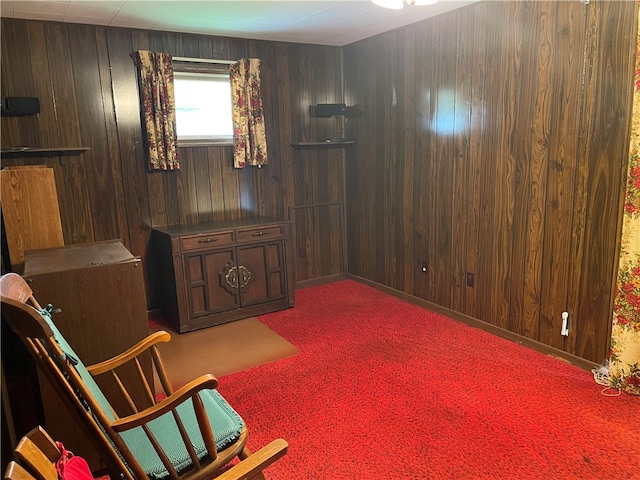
[
  {"x": 158, "y": 105},
  {"x": 624, "y": 362},
  {"x": 249, "y": 139}
]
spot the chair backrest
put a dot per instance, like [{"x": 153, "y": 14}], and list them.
[
  {"x": 13, "y": 286},
  {"x": 36, "y": 456},
  {"x": 15, "y": 472},
  {"x": 59, "y": 364}
]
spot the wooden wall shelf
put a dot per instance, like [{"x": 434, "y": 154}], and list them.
[
  {"x": 59, "y": 150},
  {"x": 42, "y": 151},
  {"x": 341, "y": 143}
]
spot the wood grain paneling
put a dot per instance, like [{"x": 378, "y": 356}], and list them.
[
  {"x": 604, "y": 132},
  {"x": 320, "y": 251},
  {"x": 563, "y": 176},
  {"x": 490, "y": 140},
  {"x": 87, "y": 85},
  {"x": 31, "y": 219},
  {"x": 513, "y": 123}
]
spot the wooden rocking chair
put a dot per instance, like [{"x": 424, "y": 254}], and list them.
[{"x": 191, "y": 434}]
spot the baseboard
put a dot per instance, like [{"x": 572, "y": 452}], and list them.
[
  {"x": 474, "y": 322},
  {"x": 154, "y": 313},
  {"x": 314, "y": 282}
]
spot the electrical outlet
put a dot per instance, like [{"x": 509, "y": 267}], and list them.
[
  {"x": 565, "y": 324},
  {"x": 424, "y": 266},
  {"x": 470, "y": 280}
]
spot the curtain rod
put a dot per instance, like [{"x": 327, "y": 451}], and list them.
[{"x": 203, "y": 60}]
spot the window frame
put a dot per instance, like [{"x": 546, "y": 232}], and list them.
[{"x": 196, "y": 68}]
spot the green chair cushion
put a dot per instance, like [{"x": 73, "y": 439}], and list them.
[
  {"x": 226, "y": 424},
  {"x": 87, "y": 378}
]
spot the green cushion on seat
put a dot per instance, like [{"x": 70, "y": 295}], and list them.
[
  {"x": 87, "y": 378},
  {"x": 225, "y": 423}
]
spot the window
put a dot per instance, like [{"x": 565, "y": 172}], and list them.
[{"x": 203, "y": 103}]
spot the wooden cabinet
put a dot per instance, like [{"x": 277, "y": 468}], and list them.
[
  {"x": 221, "y": 272},
  {"x": 99, "y": 289}
]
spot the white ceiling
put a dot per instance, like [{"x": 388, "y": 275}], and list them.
[{"x": 324, "y": 22}]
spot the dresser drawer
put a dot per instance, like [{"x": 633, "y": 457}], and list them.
[
  {"x": 260, "y": 233},
  {"x": 203, "y": 241}
]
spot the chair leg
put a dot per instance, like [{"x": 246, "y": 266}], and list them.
[{"x": 244, "y": 453}]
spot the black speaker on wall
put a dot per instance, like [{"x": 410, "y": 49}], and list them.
[
  {"x": 16, "y": 106},
  {"x": 330, "y": 109}
]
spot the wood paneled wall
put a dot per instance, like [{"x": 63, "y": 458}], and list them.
[
  {"x": 490, "y": 140},
  {"x": 493, "y": 140},
  {"x": 87, "y": 86}
]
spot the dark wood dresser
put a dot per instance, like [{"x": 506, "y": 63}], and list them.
[{"x": 220, "y": 272}]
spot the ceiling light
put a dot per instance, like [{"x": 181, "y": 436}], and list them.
[
  {"x": 393, "y": 4},
  {"x": 398, "y": 4}
]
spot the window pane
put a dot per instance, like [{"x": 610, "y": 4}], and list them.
[{"x": 203, "y": 106}]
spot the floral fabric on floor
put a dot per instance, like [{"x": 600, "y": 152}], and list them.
[{"x": 624, "y": 366}]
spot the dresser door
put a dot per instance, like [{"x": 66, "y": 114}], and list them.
[
  {"x": 210, "y": 278},
  {"x": 262, "y": 273}
]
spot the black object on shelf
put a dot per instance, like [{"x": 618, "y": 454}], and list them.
[
  {"x": 326, "y": 110},
  {"x": 19, "y": 106}
]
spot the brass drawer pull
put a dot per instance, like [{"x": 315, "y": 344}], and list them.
[
  {"x": 245, "y": 276},
  {"x": 232, "y": 276},
  {"x": 259, "y": 234},
  {"x": 208, "y": 240}
]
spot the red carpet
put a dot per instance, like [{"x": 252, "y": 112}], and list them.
[{"x": 382, "y": 389}]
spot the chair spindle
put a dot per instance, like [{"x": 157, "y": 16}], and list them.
[
  {"x": 205, "y": 426},
  {"x": 163, "y": 456},
  {"x": 187, "y": 441},
  {"x": 145, "y": 382},
  {"x": 162, "y": 373},
  {"x": 124, "y": 391}
]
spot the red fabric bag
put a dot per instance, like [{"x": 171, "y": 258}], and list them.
[{"x": 70, "y": 467}]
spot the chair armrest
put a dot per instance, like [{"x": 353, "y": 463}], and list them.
[
  {"x": 256, "y": 462},
  {"x": 158, "y": 337},
  {"x": 203, "y": 382}
]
